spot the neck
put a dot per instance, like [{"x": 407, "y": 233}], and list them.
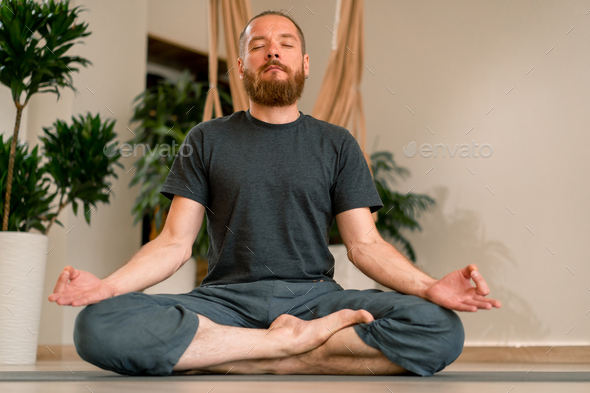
[{"x": 274, "y": 114}]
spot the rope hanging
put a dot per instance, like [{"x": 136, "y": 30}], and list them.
[
  {"x": 236, "y": 13},
  {"x": 340, "y": 100}
]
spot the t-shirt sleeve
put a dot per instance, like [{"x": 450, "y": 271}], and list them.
[
  {"x": 354, "y": 186},
  {"x": 188, "y": 175}
]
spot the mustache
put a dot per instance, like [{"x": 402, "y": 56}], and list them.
[{"x": 274, "y": 63}]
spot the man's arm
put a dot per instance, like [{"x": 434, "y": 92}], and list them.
[
  {"x": 153, "y": 263},
  {"x": 380, "y": 261},
  {"x": 163, "y": 256},
  {"x": 375, "y": 257}
]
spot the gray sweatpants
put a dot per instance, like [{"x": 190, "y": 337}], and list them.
[{"x": 141, "y": 334}]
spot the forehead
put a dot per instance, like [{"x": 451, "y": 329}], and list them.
[{"x": 270, "y": 24}]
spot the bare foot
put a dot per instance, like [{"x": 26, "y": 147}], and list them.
[{"x": 300, "y": 336}]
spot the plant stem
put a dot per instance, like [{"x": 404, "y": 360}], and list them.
[
  {"x": 19, "y": 112},
  {"x": 59, "y": 209}
]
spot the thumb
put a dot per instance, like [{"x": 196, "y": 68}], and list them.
[
  {"x": 472, "y": 268},
  {"x": 466, "y": 271},
  {"x": 73, "y": 272}
]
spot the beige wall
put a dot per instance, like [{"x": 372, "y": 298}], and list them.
[
  {"x": 449, "y": 63},
  {"x": 184, "y": 22}
]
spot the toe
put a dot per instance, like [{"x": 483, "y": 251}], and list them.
[{"x": 365, "y": 316}]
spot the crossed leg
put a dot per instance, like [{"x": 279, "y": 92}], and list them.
[
  {"x": 287, "y": 336},
  {"x": 316, "y": 350}
]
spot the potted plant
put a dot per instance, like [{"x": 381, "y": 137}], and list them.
[
  {"x": 78, "y": 170},
  {"x": 166, "y": 112},
  {"x": 34, "y": 38},
  {"x": 399, "y": 212}
]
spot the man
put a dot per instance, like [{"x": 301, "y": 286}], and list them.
[{"x": 271, "y": 181}]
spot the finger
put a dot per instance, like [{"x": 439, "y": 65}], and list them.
[
  {"x": 481, "y": 287},
  {"x": 464, "y": 307},
  {"x": 72, "y": 300},
  {"x": 80, "y": 299},
  {"x": 480, "y": 304},
  {"x": 493, "y": 302},
  {"x": 78, "y": 302},
  {"x": 63, "y": 301},
  {"x": 62, "y": 280},
  {"x": 74, "y": 273},
  {"x": 466, "y": 271},
  {"x": 85, "y": 301},
  {"x": 461, "y": 306}
]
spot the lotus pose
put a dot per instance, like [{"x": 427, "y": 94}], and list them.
[{"x": 271, "y": 181}]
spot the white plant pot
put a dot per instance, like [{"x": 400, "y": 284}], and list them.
[
  {"x": 23, "y": 258},
  {"x": 345, "y": 273},
  {"x": 183, "y": 281}
]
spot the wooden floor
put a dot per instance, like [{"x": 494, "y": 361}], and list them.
[{"x": 334, "y": 385}]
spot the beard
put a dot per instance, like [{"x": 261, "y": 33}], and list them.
[{"x": 273, "y": 91}]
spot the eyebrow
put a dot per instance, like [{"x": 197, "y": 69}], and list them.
[{"x": 261, "y": 37}]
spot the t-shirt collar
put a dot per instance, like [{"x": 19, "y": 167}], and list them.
[{"x": 273, "y": 126}]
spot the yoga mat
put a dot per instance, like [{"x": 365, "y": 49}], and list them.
[{"x": 449, "y": 376}]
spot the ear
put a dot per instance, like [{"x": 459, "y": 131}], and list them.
[{"x": 240, "y": 68}]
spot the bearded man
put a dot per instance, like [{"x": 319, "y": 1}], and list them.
[{"x": 271, "y": 181}]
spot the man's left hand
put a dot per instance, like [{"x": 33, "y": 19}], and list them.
[{"x": 455, "y": 291}]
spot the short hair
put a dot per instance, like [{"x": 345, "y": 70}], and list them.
[{"x": 242, "y": 43}]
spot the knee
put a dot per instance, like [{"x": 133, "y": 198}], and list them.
[
  {"x": 131, "y": 334},
  {"x": 92, "y": 337},
  {"x": 423, "y": 338},
  {"x": 104, "y": 334},
  {"x": 452, "y": 336},
  {"x": 443, "y": 335}
]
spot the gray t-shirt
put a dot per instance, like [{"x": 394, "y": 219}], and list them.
[{"x": 271, "y": 193}]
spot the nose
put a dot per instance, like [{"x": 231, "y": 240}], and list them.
[{"x": 273, "y": 50}]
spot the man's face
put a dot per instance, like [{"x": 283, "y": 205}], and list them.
[{"x": 273, "y": 68}]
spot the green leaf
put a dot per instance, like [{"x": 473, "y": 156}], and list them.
[
  {"x": 77, "y": 162},
  {"x": 23, "y": 57},
  {"x": 30, "y": 197}
]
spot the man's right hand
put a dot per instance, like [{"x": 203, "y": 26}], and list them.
[{"x": 82, "y": 289}]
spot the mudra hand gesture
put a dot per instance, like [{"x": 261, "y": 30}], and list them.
[
  {"x": 455, "y": 291},
  {"x": 79, "y": 288}
]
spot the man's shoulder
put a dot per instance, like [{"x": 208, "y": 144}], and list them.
[
  {"x": 332, "y": 131},
  {"x": 213, "y": 126},
  {"x": 325, "y": 125},
  {"x": 220, "y": 122}
]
